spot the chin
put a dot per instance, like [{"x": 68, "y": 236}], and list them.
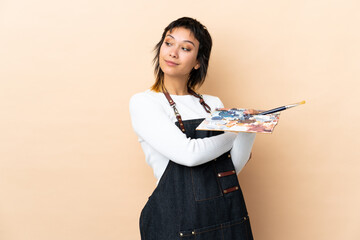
[{"x": 169, "y": 71}]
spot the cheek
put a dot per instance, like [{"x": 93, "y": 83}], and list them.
[
  {"x": 162, "y": 51},
  {"x": 192, "y": 60}
]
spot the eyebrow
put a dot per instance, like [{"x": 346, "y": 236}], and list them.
[{"x": 169, "y": 35}]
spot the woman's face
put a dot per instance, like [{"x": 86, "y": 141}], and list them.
[{"x": 178, "y": 53}]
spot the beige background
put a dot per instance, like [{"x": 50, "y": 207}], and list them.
[{"x": 70, "y": 164}]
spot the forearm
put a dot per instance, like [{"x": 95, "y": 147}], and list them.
[
  {"x": 241, "y": 150},
  {"x": 153, "y": 125},
  {"x": 193, "y": 152}
]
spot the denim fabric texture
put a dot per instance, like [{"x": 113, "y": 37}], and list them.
[{"x": 190, "y": 202}]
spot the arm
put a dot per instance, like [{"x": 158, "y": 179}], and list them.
[
  {"x": 151, "y": 123},
  {"x": 240, "y": 153},
  {"x": 241, "y": 150}
]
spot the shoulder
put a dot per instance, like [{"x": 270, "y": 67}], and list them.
[
  {"x": 141, "y": 95},
  {"x": 213, "y": 101},
  {"x": 146, "y": 99}
]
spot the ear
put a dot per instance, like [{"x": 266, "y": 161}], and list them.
[{"x": 197, "y": 66}]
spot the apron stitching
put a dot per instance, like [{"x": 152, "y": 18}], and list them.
[
  {"x": 222, "y": 232},
  {"x": 206, "y": 199},
  {"x": 217, "y": 179},
  {"x": 193, "y": 184}
]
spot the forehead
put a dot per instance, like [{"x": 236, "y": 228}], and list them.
[{"x": 182, "y": 34}]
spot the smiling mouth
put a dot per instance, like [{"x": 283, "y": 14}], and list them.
[{"x": 170, "y": 63}]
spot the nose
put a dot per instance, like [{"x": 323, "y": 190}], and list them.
[{"x": 173, "y": 52}]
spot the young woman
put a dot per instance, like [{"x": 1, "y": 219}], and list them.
[{"x": 198, "y": 194}]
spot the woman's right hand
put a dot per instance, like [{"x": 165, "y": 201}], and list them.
[{"x": 252, "y": 111}]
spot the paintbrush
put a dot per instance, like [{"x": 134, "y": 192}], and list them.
[{"x": 281, "y": 108}]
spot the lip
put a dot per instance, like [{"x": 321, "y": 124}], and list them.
[{"x": 170, "y": 63}]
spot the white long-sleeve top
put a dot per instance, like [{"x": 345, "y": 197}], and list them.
[{"x": 153, "y": 120}]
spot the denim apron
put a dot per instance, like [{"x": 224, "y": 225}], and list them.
[{"x": 203, "y": 202}]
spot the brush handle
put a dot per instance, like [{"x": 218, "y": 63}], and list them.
[{"x": 273, "y": 110}]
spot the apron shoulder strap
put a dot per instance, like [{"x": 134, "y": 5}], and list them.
[
  {"x": 177, "y": 114},
  {"x": 202, "y": 102}
]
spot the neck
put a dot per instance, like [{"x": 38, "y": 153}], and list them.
[{"x": 176, "y": 86}]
